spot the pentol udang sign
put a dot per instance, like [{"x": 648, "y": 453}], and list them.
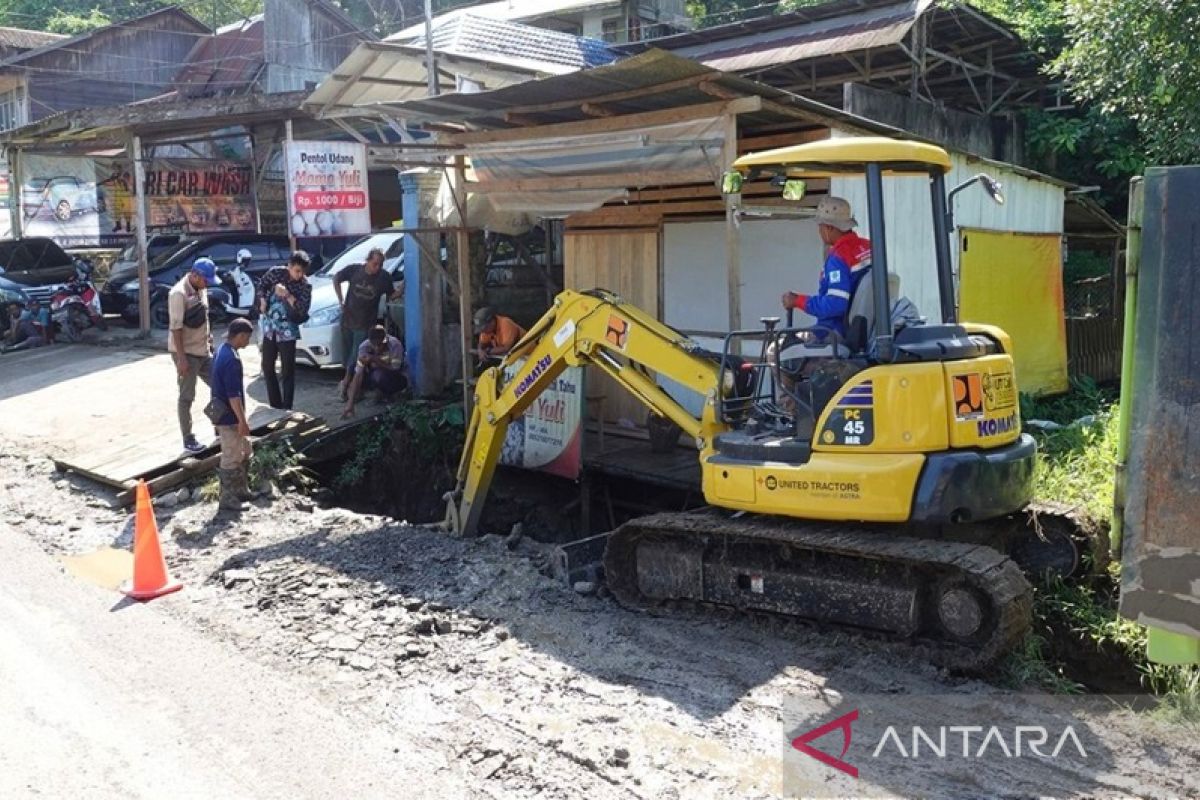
[{"x": 327, "y": 188}]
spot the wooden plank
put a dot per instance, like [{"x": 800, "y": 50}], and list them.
[
  {"x": 191, "y": 467},
  {"x": 613, "y": 97},
  {"x": 463, "y": 246},
  {"x": 624, "y": 262},
  {"x": 596, "y": 110},
  {"x": 139, "y": 213},
  {"x": 617, "y": 180},
  {"x": 750, "y": 144},
  {"x": 710, "y": 192},
  {"x": 743, "y": 105}
]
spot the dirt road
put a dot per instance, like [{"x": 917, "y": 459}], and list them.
[
  {"x": 489, "y": 674},
  {"x": 106, "y": 700}
]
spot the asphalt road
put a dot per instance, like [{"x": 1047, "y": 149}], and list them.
[{"x": 128, "y": 702}]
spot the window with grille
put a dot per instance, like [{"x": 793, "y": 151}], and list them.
[{"x": 12, "y": 109}]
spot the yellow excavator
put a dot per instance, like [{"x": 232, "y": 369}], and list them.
[{"x": 877, "y": 480}]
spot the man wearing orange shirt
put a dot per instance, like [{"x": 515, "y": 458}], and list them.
[{"x": 497, "y": 333}]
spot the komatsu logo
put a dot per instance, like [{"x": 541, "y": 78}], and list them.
[
  {"x": 995, "y": 427},
  {"x": 541, "y": 366}
]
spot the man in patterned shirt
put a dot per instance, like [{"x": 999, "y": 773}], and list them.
[{"x": 284, "y": 295}]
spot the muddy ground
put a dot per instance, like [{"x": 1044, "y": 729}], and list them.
[{"x": 526, "y": 687}]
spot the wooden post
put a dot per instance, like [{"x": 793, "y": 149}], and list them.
[
  {"x": 463, "y": 247},
  {"x": 14, "y": 191},
  {"x": 254, "y": 170},
  {"x": 430, "y": 63},
  {"x": 287, "y": 139},
  {"x": 733, "y": 239},
  {"x": 139, "y": 208}
]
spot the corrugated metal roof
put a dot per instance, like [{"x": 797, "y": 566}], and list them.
[
  {"x": 228, "y": 62},
  {"x": 616, "y": 87},
  {"x": 27, "y": 40},
  {"x": 875, "y": 27},
  {"x": 560, "y": 98},
  {"x": 510, "y": 42},
  {"x": 380, "y": 73}
]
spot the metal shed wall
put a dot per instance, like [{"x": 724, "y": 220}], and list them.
[
  {"x": 304, "y": 43},
  {"x": 1031, "y": 206},
  {"x": 117, "y": 66}
]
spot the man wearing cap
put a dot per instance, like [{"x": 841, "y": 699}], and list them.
[
  {"x": 380, "y": 367},
  {"x": 848, "y": 260},
  {"x": 189, "y": 341},
  {"x": 497, "y": 333}
]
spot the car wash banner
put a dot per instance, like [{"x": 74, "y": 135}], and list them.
[
  {"x": 327, "y": 188},
  {"x": 547, "y": 436},
  {"x": 82, "y": 202}
]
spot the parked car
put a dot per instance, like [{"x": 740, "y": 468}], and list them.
[
  {"x": 60, "y": 196},
  {"x": 10, "y": 293},
  {"x": 120, "y": 294},
  {"x": 321, "y": 337},
  {"x": 157, "y": 247},
  {"x": 37, "y": 264}
]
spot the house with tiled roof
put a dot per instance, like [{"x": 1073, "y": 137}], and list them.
[
  {"x": 516, "y": 45},
  {"x": 611, "y": 21}
]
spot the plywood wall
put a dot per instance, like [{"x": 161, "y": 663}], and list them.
[{"x": 625, "y": 262}]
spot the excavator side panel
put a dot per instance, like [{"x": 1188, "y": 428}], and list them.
[{"x": 831, "y": 486}]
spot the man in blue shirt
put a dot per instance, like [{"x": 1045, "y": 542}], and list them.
[
  {"x": 29, "y": 327},
  {"x": 233, "y": 429}
]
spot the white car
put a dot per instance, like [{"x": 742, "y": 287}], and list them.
[{"x": 321, "y": 336}]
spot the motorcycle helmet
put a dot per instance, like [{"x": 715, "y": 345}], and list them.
[
  {"x": 244, "y": 257},
  {"x": 83, "y": 269}
]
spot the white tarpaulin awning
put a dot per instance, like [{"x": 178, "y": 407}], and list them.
[{"x": 554, "y": 177}]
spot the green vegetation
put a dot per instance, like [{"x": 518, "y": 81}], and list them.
[
  {"x": 278, "y": 463},
  {"x": 1076, "y": 463},
  {"x": 1077, "y": 630},
  {"x": 431, "y": 428},
  {"x": 80, "y": 16}
]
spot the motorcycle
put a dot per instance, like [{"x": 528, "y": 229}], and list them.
[
  {"x": 233, "y": 296},
  {"x": 75, "y": 306}
]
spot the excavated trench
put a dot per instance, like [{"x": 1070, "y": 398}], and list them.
[{"x": 411, "y": 473}]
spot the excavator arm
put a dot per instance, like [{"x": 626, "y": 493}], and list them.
[{"x": 595, "y": 329}]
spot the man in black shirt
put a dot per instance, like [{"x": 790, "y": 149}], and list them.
[{"x": 360, "y": 306}]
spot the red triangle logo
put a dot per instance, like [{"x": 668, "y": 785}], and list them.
[{"x": 842, "y": 723}]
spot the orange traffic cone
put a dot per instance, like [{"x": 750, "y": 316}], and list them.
[{"x": 150, "y": 578}]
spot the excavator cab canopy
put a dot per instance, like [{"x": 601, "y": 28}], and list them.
[
  {"x": 873, "y": 157},
  {"x": 848, "y": 157}
]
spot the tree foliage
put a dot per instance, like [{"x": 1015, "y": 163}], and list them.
[
  {"x": 73, "y": 23},
  {"x": 81, "y": 16},
  {"x": 1140, "y": 61}
]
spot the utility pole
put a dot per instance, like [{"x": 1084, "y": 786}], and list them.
[{"x": 430, "y": 64}]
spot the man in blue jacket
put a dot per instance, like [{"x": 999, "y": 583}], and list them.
[
  {"x": 232, "y": 427},
  {"x": 847, "y": 263}
]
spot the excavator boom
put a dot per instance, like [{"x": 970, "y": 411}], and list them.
[{"x": 596, "y": 329}]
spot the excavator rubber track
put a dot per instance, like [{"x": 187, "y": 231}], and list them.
[
  {"x": 963, "y": 604},
  {"x": 1048, "y": 540}
]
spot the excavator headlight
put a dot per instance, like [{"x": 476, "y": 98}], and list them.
[{"x": 726, "y": 383}]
